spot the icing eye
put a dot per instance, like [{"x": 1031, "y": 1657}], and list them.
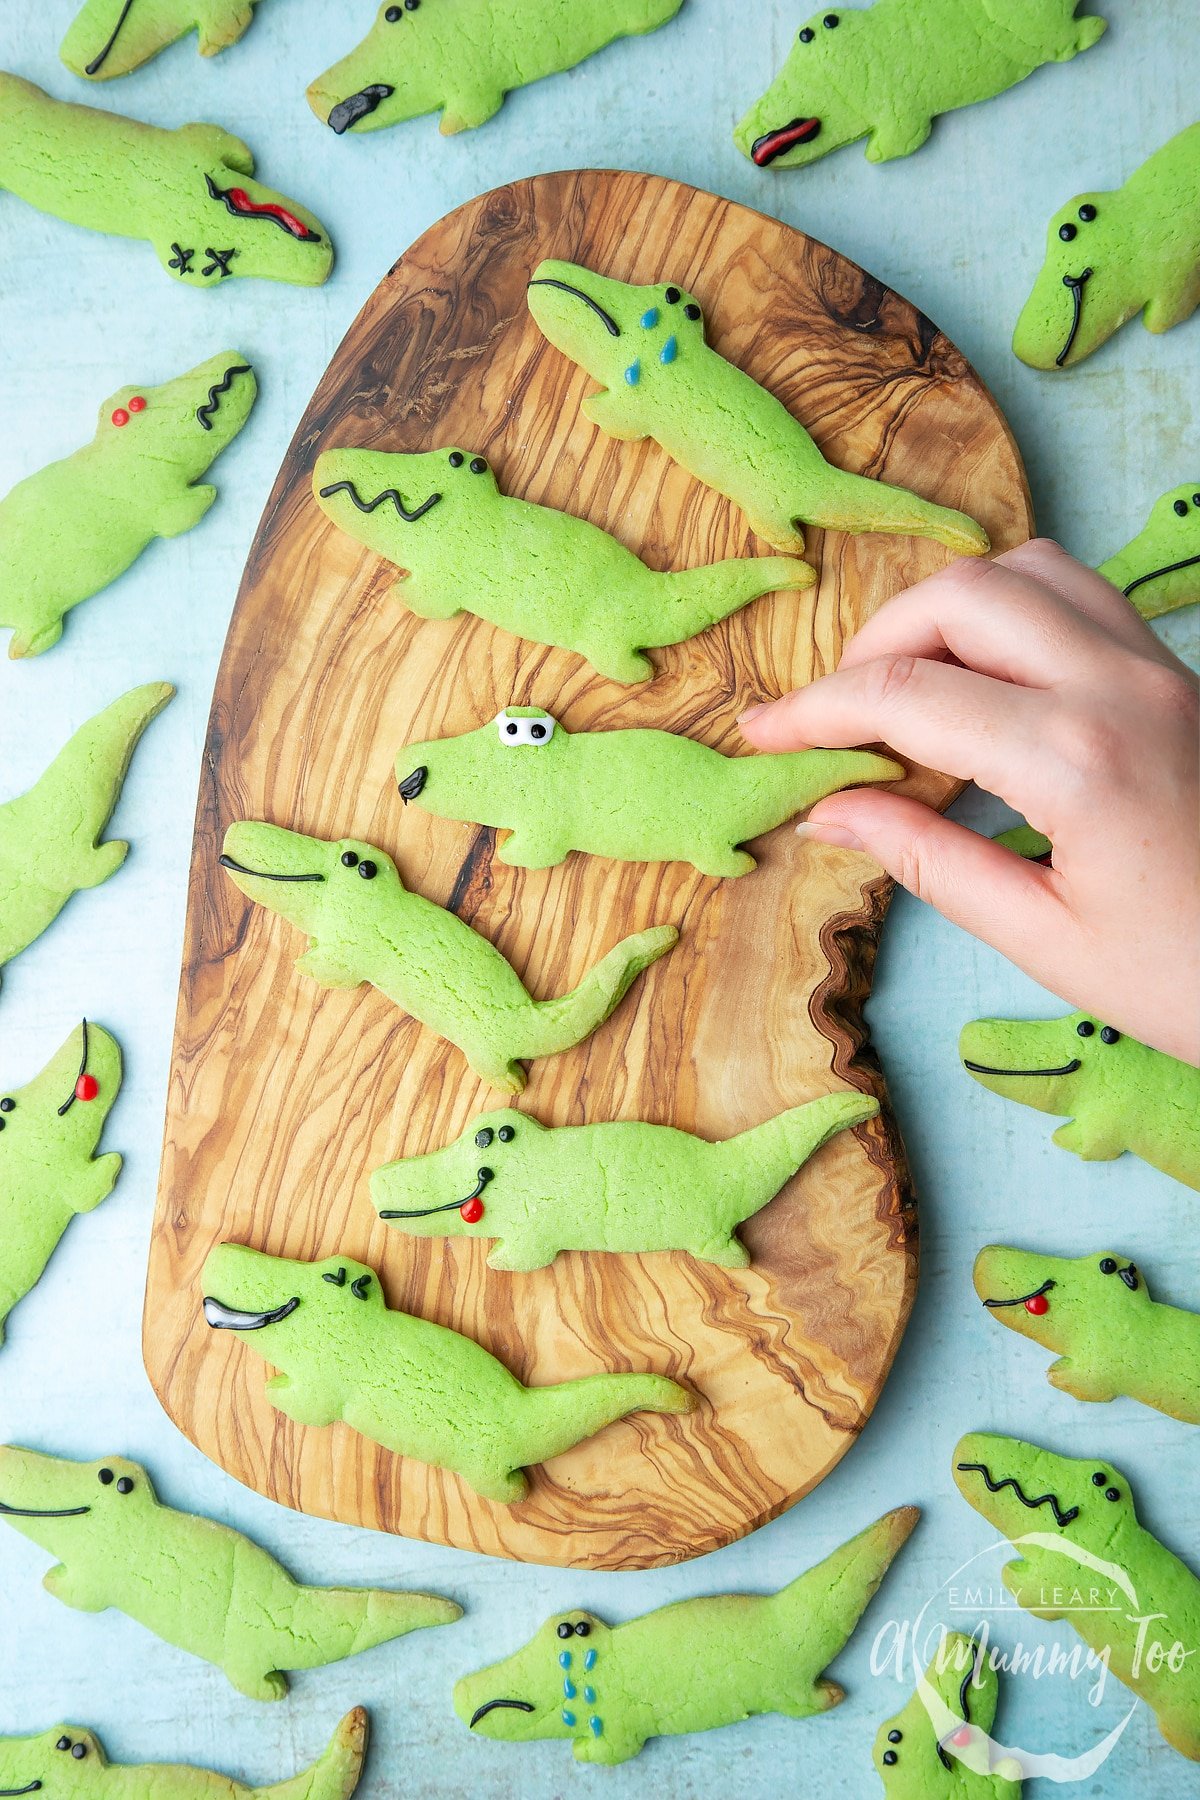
[
  {"x": 338, "y": 1280},
  {"x": 890, "y": 1757},
  {"x": 831, "y": 21},
  {"x": 895, "y": 1737},
  {"x": 1067, "y": 232},
  {"x": 7, "y": 1106},
  {"x": 506, "y": 1134},
  {"x": 104, "y": 1477},
  {"x": 359, "y": 1286},
  {"x": 367, "y": 869},
  {"x": 1181, "y": 507},
  {"x": 537, "y": 730},
  {"x": 564, "y": 1630},
  {"x": 691, "y": 310},
  {"x": 1108, "y": 1035},
  {"x": 807, "y": 35},
  {"x": 64, "y": 1743},
  {"x": 125, "y": 1485},
  {"x": 583, "y": 1629},
  {"x": 393, "y": 14},
  {"x": 120, "y": 417},
  {"x": 456, "y": 459},
  {"x": 349, "y": 859},
  {"x": 1196, "y": 499},
  {"x": 1085, "y": 1028},
  {"x": 483, "y": 1138},
  {"x": 672, "y": 296},
  {"x": 477, "y": 465},
  {"x": 137, "y": 404},
  {"x": 511, "y": 728},
  {"x": 1112, "y": 1493},
  {"x": 485, "y": 1174},
  {"x": 1108, "y": 1265},
  {"x": 78, "y": 1751},
  {"x": 1087, "y": 212},
  {"x": 1099, "y": 1478}
]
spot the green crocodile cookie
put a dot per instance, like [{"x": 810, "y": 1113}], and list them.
[
  {"x": 188, "y": 192},
  {"x": 693, "y": 1666},
  {"x": 49, "y": 1170},
  {"x": 1112, "y": 1337},
  {"x": 68, "y": 1763},
  {"x": 112, "y": 37},
  {"x": 464, "y": 546},
  {"x": 49, "y": 836},
  {"x": 199, "y": 1585},
  {"x": 1159, "y": 569},
  {"x": 74, "y": 526},
  {"x": 1033, "y": 845},
  {"x": 1074, "y": 1522},
  {"x": 417, "y": 1388},
  {"x": 625, "y": 1186},
  {"x": 1116, "y": 1094},
  {"x": 937, "y": 1746},
  {"x": 640, "y": 796},
  {"x": 661, "y": 380},
  {"x": 1111, "y": 255},
  {"x": 365, "y": 925},
  {"x": 463, "y": 56},
  {"x": 886, "y": 72}
]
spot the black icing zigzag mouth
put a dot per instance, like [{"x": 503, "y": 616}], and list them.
[
  {"x": 1062, "y": 1517},
  {"x": 392, "y": 494},
  {"x": 771, "y": 144}
]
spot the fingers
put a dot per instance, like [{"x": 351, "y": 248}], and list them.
[{"x": 1083, "y": 589}]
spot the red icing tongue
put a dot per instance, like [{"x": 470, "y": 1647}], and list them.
[
  {"x": 472, "y": 1210},
  {"x": 87, "y": 1087},
  {"x": 245, "y": 204},
  {"x": 774, "y": 143},
  {"x": 1037, "y": 1304}
]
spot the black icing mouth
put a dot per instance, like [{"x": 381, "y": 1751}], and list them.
[
  {"x": 1061, "y": 1518},
  {"x": 488, "y": 1706},
  {"x": 31, "y": 1787},
  {"x": 609, "y": 323},
  {"x": 1076, "y": 284},
  {"x": 354, "y": 107},
  {"x": 425, "y": 1212},
  {"x": 93, "y": 68},
  {"x": 42, "y": 1512},
  {"x": 1167, "y": 569},
  {"x": 1020, "y": 1299},
  {"x": 71, "y": 1098},
  {"x": 368, "y": 506},
  {"x": 775, "y": 143},
  {"x": 229, "y": 1318},
  {"x": 238, "y": 202},
  {"x": 413, "y": 784},
  {"x": 227, "y": 862},
  {"x": 205, "y": 412},
  {"x": 1068, "y": 1068}
]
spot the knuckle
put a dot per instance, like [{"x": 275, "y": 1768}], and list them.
[
  {"x": 920, "y": 864},
  {"x": 887, "y": 679},
  {"x": 1087, "y": 746},
  {"x": 1172, "y": 694}
]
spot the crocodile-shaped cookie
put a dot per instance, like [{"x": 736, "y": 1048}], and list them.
[
  {"x": 112, "y": 37},
  {"x": 937, "y": 1747},
  {"x": 1159, "y": 569}
]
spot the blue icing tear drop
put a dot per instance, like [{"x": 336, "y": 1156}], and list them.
[
  {"x": 568, "y": 1718},
  {"x": 633, "y": 373},
  {"x": 589, "y": 1659},
  {"x": 650, "y": 318},
  {"x": 568, "y": 1689},
  {"x": 669, "y": 351},
  {"x": 564, "y": 1659},
  {"x": 596, "y": 1725},
  {"x": 589, "y": 1694}
]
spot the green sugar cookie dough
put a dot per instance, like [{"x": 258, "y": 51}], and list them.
[
  {"x": 693, "y": 1666},
  {"x": 112, "y": 37},
  {"x": 1159, "y": 569},
  {"x": 886, "y": 71},
  {"x": 1111, "y": 255},
  {"x": 1116, "y": 1094},
  {"x": 639, "y": 796},
  {"x": 74, "y": 526},
  {"x": 625, "y": 1186},
  {"x": 464, "y": 546},
  {"x": 188, "y": 192},
  {"x": 463, "y": 56},
  {"x": 937, "y": 1747},
  {"x": 1027, "y": 842},
  {"x": 49, "y": 1170},
  {"x": 417, "y": 1388},
  {"x": 365, "y": 926},
  {"x": 50, "y": 836},
  {"x": 661, "y": 380},
  {"x": 194, "y": 1583},
  {"x": 1074, "y": 1523},
  {"x": 68, "y": 1763},
  {"x": 1096, "y": 1312}
]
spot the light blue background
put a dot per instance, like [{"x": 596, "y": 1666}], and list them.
[{"x": 957, "y": 228}]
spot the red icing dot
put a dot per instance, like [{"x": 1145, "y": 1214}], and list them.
[
  {"x": 87, "y": 1087},
  {"x": 120, "y": 416},
  {"x": 472, "y": 1210},
  {"x": 137, "y": 404},
  {"x": 1037, "y": 1304},
  {"x": 962, "y": 1736}
]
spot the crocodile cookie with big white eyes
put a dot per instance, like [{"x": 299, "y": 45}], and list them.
[
  {"x": 624, "y": 1186},
  {"x": 1074, "y": 1523},
  {"x": 417, "y": 1388},
  {"x": 1159, "y": 569},
  {"x": 464, "y": 546},
  {"x": 112, "y": 37},
  {"x": 189, "y": 192},
  {"x": 463, "y": 56},
  {"x": 885, "y": 72},
  {"x": 1115, "y": 1093},
  {"x": 661, "y": 380},
  {"x": 49, "y": 836},
  {"x": 68, "y": 1763},
  {"x": 693, "y": 1666},
  {"x": 1112, "y": 254},
  {"x": 74, "y": 526},
  {"x": 638, "y": 796},
  {"x": 1096, "y": 1311},
  {"x": 938, "y": 1747},
  {"x": 194, "y": 1583},
  {"x": 364, "y": 925}
]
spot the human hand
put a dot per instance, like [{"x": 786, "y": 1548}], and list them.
[{"x": 1034, "y": 677}]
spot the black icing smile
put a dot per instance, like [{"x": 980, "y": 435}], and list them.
[
  {"x": 205, "y": 412},
  {"x": 1167, "y": 569},
  {"x": 1068, "y": 1068},
  {"x": 354, "y": 107},
  {"x": 368, "y": 506},
  {"x": 36, "y": 1512},
  {"x": 488, "y": 1706},
  {"x": 424, "y": 1212},
  {"x": 227, "y": 862},
  {"x": 610, "y": 324},
  {"x": 93, "y": 68},
  {"x": 71, "y": 1098},
  {"x": 229, "y": 1318},
  {"x": 1061, "y": 1518},
  {"x": 1076, "y": 284},
  {"x": 31, "y": 1787},
  {"x": 413, "y": 784},
  {"x": 771, "y": 144},
  {"x": 1020, "y": 1299}
]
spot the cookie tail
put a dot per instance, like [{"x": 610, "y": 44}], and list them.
[
  {"x": 327, "y": 1624},
  {"x": 552, "y": 1419},
  {"x": 694, "y": 599},
  {"x": 821, "y": 1607},
  {"x": 854, "y": 503},
  {"x": 84, "y": 780},
  {"x": 772, "y": 1152},
  {"x": 545, "y": 1027},
  {"x": 335, "y": 1774},
  {"x": 806, "y": 776}
]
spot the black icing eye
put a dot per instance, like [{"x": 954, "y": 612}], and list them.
[
  {"x": 455, "y": 459},
  {"x": 359, "y": 1286},
  {"x": 477, "y": 465},
  {"x": 511, "y": 728},
  {"x": 105, "y": 1477},
  {"x": 338, "y": 1280},
  {"x": 890, "y": 1757},
  {"x": 485, "y": 1174},
  {"x": 7, "y": 1106},
  {"x": 1085, "y": 1028},
  {"x": 506, "y": 1134},
  {"x": 895, "y": 1737},
  {"x": 393, "y": 14},
  {"x": 64, "y": 1743},
  {"x": 1087, "y": 212},
  {"x": 691, "y": 310},
  {"x": 831, "y": 21},
  {"x": 1181, "y": 507},
  {"x": 125, "y": 1485},
  {"x": 537, "y": 731},
  {"x": 672, "y": 296},
  {"x": 1067, "y": 232},
  {"x": 1112, "y": 1493},
  {"x": 583, "y": 1629},
  {"x": 564, "y": 1630},
  {"x": 1108, "y": 1035},
  {"x": 807, "y": 35},
  {"x": 349, "y": 859},
  {"x": 1099, "y": 1478},
  {"x": 1108, "y": 1266},
  {"x": 78, "y": 1750},
  {"x": 367, "y": 869},
  {"x": 1196, "y": 499},
  {"x": 483, "y": 1138}
]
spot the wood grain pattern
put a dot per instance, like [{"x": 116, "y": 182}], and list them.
[{"x": 283, "y": 1097}]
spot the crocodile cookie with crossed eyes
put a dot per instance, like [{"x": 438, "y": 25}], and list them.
[{"x": 111, "y": 37}]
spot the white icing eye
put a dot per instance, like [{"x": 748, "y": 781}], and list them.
[{"x": 537, "y": 730}]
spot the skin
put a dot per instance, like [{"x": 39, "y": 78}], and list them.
[
  {"x": 1159, "y": 569},
  {"x": 938, "y": 1744},
  {"x": 1116, "y": 1555},
  {"x": 693, "y": 1666},
  {"x": 1116, "y": 1094},
  {"x": 1096, "y": 1312},
  {"x": 1136, "y": 249},
  {"x": 1031, "y": 676},
  {"x": 425, "y": 959},
  {"x": 885, "y": 72},
  {"x": 113, "y": 37},
  {"x": 118, "y": 176},
  {"x": 193, "y": 1582},
  {"x": 714, "y": 419},
  {"x": 417, "y": 1388},
  {"x": 49, "y": 1170},
  {"x": 74, "y": 526},
  {"x": 530, "y": 570},
  {"x": 463, "y": 56},
  {"x": 50, "y": 844},
  {"x": 68, "y": 1763},
  {"x": 619, "y": 1187},
  {"x": 638, "y": 796}
]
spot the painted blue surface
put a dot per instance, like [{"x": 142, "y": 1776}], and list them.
[{"x": 957, "y": 228}]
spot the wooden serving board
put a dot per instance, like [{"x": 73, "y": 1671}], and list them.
[{"x": 283, "y": 1097}]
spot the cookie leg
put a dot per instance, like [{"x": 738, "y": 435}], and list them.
[
  {"x": 1172, "y": 306},
  {"x": 34, "y": 641},
  {"x": 424, "y": 605},
  {"x": 727, "y": 1253},
  {"x": 519, "y": 1258},
  {"x": 299, "y": 1405},
  {"x": 97, "y": 1182},
  {"x": 506, "y": 1486},
  {"x": 182, "y": 511},
  {"x": 898, "y": 137},
  {"x": 625, "y": 666},
  {"x": 1069, "y": 1378},
  {"x": 102, "y": 862},
  {"x": 75, "y": 1587},
  {"x": 257, "y": 1684},
  {"x": 221, "y": 23},
  {"x": 467, "y": 110},
  {"x": 530, "y": 850},
  {"x": 721, "y": 862},
  {"x": 1088, "y": 1143}
]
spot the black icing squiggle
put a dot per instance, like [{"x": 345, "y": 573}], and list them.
[
  {"x": 205, "y": 411},
  {"x": 368, "y": 506},
  {"x": 1061, "y": 1517},
  {"x": 98, "y": 62}
]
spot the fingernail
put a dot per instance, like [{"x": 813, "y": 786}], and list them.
[
  {"x": 837, "y": 835},
  {"x": 752, "y": 712}
]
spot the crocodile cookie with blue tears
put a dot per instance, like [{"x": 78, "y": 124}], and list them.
[
  {"x": 364, "y": 925},
  {"x": 693, "y": 1666},
  {"x": 418, "y": 1389},
  {"x": 112, "y": 37},
  {"x": 937, "y": 1747},
  {"x": 197, "y": 1584},
  {"x": 189, "y": 192},
  {"x": 660, "y": 379},
  {"x": 74, "y": 526},
  {"x": 463, "y": 546},
  {"x": 625, "y": 1186},
  {"x": 1115, "y": 1093},
  {"x": 1159, "y": 569}
]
